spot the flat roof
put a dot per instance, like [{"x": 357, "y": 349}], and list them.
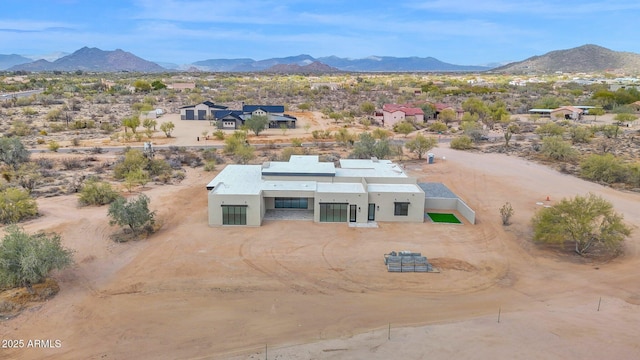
[
  {"x": 369, "y": 168},
  {"x": 299, "y": 165},
  {"x": 237, "y": 179},
  {"x": 394, "y": 188},
  {"x": 289, "y": 185}
]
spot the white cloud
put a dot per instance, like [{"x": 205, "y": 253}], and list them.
[{"x": 33, "y": 25}]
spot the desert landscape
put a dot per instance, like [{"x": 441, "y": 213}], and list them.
[{"x": 304, "y": 290}]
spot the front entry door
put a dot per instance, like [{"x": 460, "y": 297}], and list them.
[
  {"x": 352, "y": 213},
  {"x": 372, "y": 212}
]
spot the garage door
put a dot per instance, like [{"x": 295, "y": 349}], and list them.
[
  {"x": 190, "y": 115},
  {"x": 202, "y": 114}
]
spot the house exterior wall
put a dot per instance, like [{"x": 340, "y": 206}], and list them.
[
  {"x": 386, "y": 203},
  {"x": 357, "y": 183},
  {"x": 391, "y": 118},
  {"x": 360, "y": 200},
  {"x": 254, "y": 203}
]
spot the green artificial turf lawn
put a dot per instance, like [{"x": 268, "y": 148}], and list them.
[{"x": 444, "y": 218}]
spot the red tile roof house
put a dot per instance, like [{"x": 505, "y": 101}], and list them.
[
  {"x": 441, "y": 107},
  {"x": 395, "y": 113}
]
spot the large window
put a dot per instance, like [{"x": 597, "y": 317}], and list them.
[
  {"x": 333, "y": 212},
  {"x": 292, "y": 203},
  {"x": 234, "y": 215},
  {"x": 401, "y": 209}
]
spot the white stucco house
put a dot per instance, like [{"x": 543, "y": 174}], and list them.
[{"x": 356, "y": 192}]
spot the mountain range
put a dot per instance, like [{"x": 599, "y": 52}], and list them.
[
  {"x": 92, "y": 59},
  {"x": 586, "y": 58}
]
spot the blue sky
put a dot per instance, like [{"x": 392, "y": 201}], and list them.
[{"x": 465, "y": 32}]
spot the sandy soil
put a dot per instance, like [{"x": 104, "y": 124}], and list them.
[{"x": 321, "y": 291}]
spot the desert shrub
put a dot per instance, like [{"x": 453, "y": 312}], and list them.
[
  {"x": 16, "y": 205},
  {"x": 20, "y": 128},
  {"x": 549, "y": 129},
  {"x": 157, "y": 167},
  {"x": 179, "y": 175},
  {"x": 438, "y": 126},
  {"x": 96, "y": 150},
  {"x": 29, "y": 111},
  {"x": 107, "y": 127},
  {"x": 210, "y": 166},
  {"x": 54, "y": 146},
  {"x": 54, "y": 115},
  {"x": 321, "y": 134},
  {"x": 296, "y": 142},
  {"x": 133, "y": 159},
  {"x": 580, "y": 134},
  {"x": 95, "y": 192},
  {"x": 218, "y": 134},
  {"x": 13, "y": 152},
  {"x": 605, "y": 168},
  {"x": 57, "y": 127},
  {"x": 28, "y": 259},
  {"x": 461, "y": 143},
  {"x": 45, "y": 163},
  {"x": 553, "y": 147},
  {"x": 134, "y": 214},
  {"x": 71, "y": 163}
]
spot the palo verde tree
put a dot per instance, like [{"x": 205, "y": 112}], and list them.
[
  {"x": 588, "y": 221},
  {"x": 134, "y": 214},
  {"x": 368, "y": 147},
  {"x": 28, "y": 259},
  {"x": 167, "y": 128},
  {"x": 257, "y": 123},
  {"x": 421, "y": 144}
]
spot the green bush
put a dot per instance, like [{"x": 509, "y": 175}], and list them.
[
  {"x": 95, "y": 192},
  {"x": 605, "y": 168},
  {"x": 210, "y": 166},
  {"x": 438, "y": 126},
  {"x": 461, "y": 143},
  {"x": 555, "y": 148},
  {"x": 134, "y": 214},
  {"x": 16, "y": 205},
  {"x": 54, "y": 146},
  {"x": 28, "y": 259},
  {"x": 133, "y": 160}
]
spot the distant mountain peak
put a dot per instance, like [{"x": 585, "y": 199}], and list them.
[
  {"x": 585, "y": 58},
  {"x": 93, "y": 59}
]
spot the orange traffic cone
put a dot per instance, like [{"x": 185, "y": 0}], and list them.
[{"x": 548, "y": 198}]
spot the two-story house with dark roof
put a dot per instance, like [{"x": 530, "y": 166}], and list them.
[
  {"x": 234, "y": 119},
  {"x": 202, "y": 111}
]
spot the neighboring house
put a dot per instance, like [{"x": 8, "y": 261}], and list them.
[
  {"x": 358, "y": 191},
  {"x": 567, "y": 112},
  {"x": 202, "y": 111},
  {"x": 234, "y": 119},
  {"x": 439, "y": 107},
  {"x": 395, "y": 113}
]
